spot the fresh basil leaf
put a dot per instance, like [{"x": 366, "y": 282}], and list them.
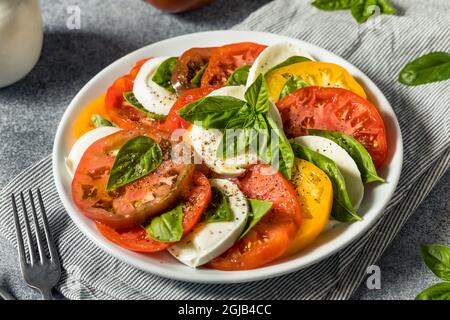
[
  {"x": 257, "y": 95},
  {"x": 99, "y": 121},
  {"x": 258, "y": 209},
  {"x": 288, "y": 61},
  {"x": 437, "y": 258},
  {"x": 218, "y": 209},
  {"x": 432, "y": 67},
  {"x": 167, "y": 227},
  {"x": 163, "y": 75},
  {"x": 363, "y": 10},
  {"x": 440, "y": 291},
  {"x": 136, "y": 158},
  {"x": 355, "y": 149},
  {"x": 239, "y": 76},
  {"x": 198, "y": 76},
  {"x": 331, "y": 5},
  {"x": 342, "y": 209},
  {"x": 293, "y": 83},
  {"x": 385, "y": 7},
  {"x": 132, "y": 101},
  {"x": 285, "y": 153},
  {"x": 212, "y": 111}
]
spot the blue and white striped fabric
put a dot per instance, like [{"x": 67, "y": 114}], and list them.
[{"x": 380, "y": 50}]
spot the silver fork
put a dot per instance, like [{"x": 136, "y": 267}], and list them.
[{"x": 40, "y": 272}]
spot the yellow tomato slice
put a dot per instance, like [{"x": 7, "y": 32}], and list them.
[
  {"x": 315, "y": 193},
  {"x": 314, "y": 73},
  {"x": 83, "y": 123}
]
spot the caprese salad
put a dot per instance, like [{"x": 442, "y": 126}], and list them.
[{"x": 227, "y": 157}]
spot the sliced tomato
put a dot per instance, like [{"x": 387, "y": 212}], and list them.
[
  {"x": 273, "y": 234},
  {"x": 189, "y": 67},
  {"x": 224, "y": 60},
  {"x": 173, "y": 120},
  {"x": 335, "y": 109},
  {"x": 195, "y": 200},
  {"x": 122, "y": 113},
  {"x": 132, "y": 204}
]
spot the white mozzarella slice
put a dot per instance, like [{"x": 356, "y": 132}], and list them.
[
  {"x": 343, "y": 160},
  {"x": 271, "y": 56},
  {"x": 84, "y": 142},
  {"x": 152, "y": 96},
  {"x": 209, "y": 240}
]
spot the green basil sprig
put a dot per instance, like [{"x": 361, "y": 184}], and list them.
[
  {"x": 163, "y": 75},
  {"x": 258, "y": 209},
  {"x": 239, "y": 76},
  {"x": 132, "y": 101},
  {"x": 288, "y": 61},
  {"x": 222, "y": 112},
  {"x": 437, "y": 259},
  {"x": 198, "y": 76},
  {"x": 342, "y": 209},
  {"x": 293, "y": 83},
  {"x": 432, "y": 67},
  {"x": 136, "y": 158},
  {"x": 99, "y": 121},
  {"x": 355, "y": 149},
  {"x": 218, "y": 209},
  {"x": 361, "y": 9},
  {"x": 168, "y": 227}
]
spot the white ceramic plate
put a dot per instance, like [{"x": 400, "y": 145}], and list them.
[{"x": 375, "y": 199}]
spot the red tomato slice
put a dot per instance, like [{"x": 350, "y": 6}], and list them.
[
  {"x": 196, "y": 198},
  {"x": 132, "y": 204},
  {"x": 173, "y": 120},
  {"x": 224, "y": 60},
  {"x": 119, "y": 111},
  {"x": 188, "y": 65},
  {"x": 335, "y": 109},
  {"x": 272, "y": 235}
]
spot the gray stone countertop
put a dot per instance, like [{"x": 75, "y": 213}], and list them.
[{"x": 30, "y": 111}]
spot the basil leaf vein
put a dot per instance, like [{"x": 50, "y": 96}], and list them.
[
  {"x": 132, "y": 101},
  {"x": 99, "y": 121},
  {"x": 257, "y": 95},
  {"x": 355, "y": 149},
  {"x": 258, "y": 209},
  {"x": 437, "y": 259},
  {"x": 163, "y": 75},
  {"x": 432, "y": 67},
  {"x": 342, "y": 209},
  {"x": 168, "y": 227},
  {"x": 136, "y": 158},
  {"x": 218, "y": 209},
  {"x": 239, "y": 76}
]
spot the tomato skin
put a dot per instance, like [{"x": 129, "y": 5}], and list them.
[
  {"x": 335, "y": 109},
  {"x": 196, "y": 198},
  {"x": 132, "y": 204},
  {"x": 224, "y": 60},
  {"x": 119, "y": 111},
  {"x": 173, "y": 120},
  {"x": 273, "y": 234},
  {"x": 188, "y": 64}
]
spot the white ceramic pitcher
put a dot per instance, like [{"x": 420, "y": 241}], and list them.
[{"x": 21, "y": 37}]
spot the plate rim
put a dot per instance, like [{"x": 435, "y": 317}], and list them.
[{"x": 265, "y": 272}]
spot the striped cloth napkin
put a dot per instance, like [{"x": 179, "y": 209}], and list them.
[{"x": 379, "y": 49}]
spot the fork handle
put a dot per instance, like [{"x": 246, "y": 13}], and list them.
[{"x": 47, "y": 294}]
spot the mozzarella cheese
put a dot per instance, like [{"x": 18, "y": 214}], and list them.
[
  {"x": 343, "y": 160},
  {"x": 84, "y": 142},
  {"x": 206, "y": 142},
  {"x": 209, "y": 240},
  {"x": 271, "y": 56},
  {"x": 152, "y": 96}
]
